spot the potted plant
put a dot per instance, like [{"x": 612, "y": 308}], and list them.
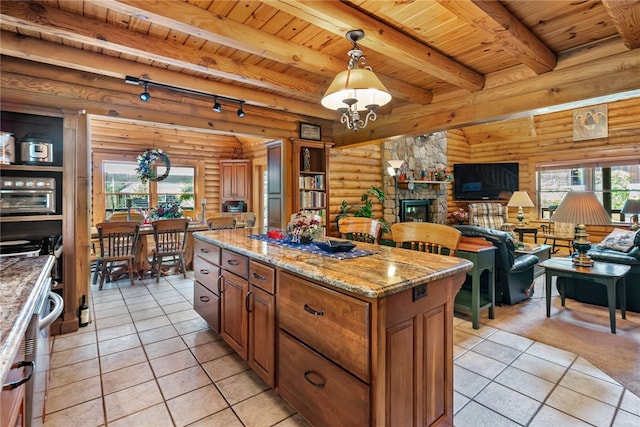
[{"x": 366, "y": 210}]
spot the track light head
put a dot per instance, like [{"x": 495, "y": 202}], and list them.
[
  {"x": 216, "y": 105},
  {"x": 241, "y": 113},
  {"x": 145, "y": 96}
]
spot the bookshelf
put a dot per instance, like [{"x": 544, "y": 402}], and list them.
[{"x": 311, "y": 178}]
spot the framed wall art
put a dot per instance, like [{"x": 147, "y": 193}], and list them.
[
  {"x": 590, "y": 123},
  {"x": 309, "y": 131}
]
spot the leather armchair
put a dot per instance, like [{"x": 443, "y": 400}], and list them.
[{"x": 514, "y": 276}]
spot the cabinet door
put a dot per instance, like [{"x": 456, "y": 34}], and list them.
[
  {"x": 207, "y": 305},
  {"x": 241, "y": 181},
  {"x": 227, "y": 179},
  {"x": 234, "y": 322},
  {"x": 262, "y": 331}
]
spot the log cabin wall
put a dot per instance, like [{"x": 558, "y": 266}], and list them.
[
  {"x": 548, "y": 139},
  {"x": 111, "y": 138}
]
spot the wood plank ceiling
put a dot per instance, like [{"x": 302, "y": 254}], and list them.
[{"x": 444, "y": 59}]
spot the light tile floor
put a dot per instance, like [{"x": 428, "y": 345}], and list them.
[{"x": 148, "y": 359}]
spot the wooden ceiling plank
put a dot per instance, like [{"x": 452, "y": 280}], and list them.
[
  {"x": 55, "y": 22},
  {"x": 45, "y": 52},
  {"x": 339, "y": 17},
  {"x": 626, "y": 17},
  {"x": 198, "y": 22},
  {"x": 499, "y": 24}
]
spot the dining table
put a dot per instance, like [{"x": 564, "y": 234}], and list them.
[{"x": 145, "y": 244}]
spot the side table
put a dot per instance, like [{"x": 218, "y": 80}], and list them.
[
  {"x": 601, "y": 272},
  {"x": 527, "y": 230},
  {"x": 482, "y": 254}
]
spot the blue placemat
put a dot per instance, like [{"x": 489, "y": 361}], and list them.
[{"x": 312, "y": 247}]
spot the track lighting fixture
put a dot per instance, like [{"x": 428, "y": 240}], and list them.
[
  {"x": 145, "y": 96},
  {"x": 241, "y": 113},
  {"x": 217, "y": 107}
]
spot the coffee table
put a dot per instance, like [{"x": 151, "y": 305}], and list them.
[{"x": 603, "y": 273}]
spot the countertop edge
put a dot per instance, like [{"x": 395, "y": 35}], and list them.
[
  {"x": 462, "y": 267},
  {"x": 11, "y": 344}
]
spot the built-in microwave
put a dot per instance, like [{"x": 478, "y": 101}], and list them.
[{"x": 27, "y": 195}]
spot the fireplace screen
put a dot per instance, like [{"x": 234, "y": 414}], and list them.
[{"x": 414, "y": 210}]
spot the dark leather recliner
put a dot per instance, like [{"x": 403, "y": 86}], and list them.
[{"x": 514, "y": 276}]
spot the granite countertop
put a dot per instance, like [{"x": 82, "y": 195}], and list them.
[
  {"x": 388, "y": 271},
  {"x": 21, "y": 281}
]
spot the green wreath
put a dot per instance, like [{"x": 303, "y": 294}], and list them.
[{"x": 147, "y": 161}]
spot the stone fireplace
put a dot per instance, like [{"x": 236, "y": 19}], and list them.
[
  {"x": 422, "y": 155},
  {"x": 415, "y": 210}
]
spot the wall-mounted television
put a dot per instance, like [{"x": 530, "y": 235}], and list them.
[{"x": 484, "y": 181}]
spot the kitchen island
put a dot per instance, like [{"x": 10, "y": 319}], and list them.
[
  {"x": 361, "y": 341},
  {"x": 22, "y": 280}
]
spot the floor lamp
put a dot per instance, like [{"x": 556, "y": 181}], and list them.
[{"x": 394, "y": 167}]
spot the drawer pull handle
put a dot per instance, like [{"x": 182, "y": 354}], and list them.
[
  {"x": 259, "y": 277},
  {"x": 204, "y": 299},
  {"x": 22, "y": 364},
  {"x": 204, "y": 271},
  {"x": 206, "y": 251},
  {"x": 219, "y": 286},
  {"x": 312, "y": 311},
  {"x": 233, "y": 262},
  {"x": 310, "y": 381}
]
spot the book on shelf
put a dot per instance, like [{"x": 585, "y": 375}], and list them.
[{"x": 311, "y": 181}]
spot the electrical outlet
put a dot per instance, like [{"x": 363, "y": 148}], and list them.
[{"x": 419, "y": 291}]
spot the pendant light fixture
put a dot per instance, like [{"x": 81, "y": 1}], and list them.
[{"x": 356, "y": 89}]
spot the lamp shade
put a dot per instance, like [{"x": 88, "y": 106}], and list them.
[
  {"x": 396, "y": 164},
  {"x": 631, "y": 206},
  {"x": 356, "y": 86},
  {"x": 581, "y": 207},
  {"x": 520, "y": 199}
]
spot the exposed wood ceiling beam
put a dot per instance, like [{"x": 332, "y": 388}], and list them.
[
  {"x": 195, "y": 21},
  {"x": 499, "y": 24},
  {"x": 339, "y": 17},
  {"x": 68, "y": 57},
  {"x": 626, "y": 17}
]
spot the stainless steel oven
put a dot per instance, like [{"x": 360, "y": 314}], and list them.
[{"x": 27, "y": 195}]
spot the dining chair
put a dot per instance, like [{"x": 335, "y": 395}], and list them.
[
  {"x": 360, "y": 229},
  {"x": 117, "y": 249},
  {"x": 170, "y": 236},
  {"x": 221, "y": 222},
  {"x": 122, "y": 216},
  {"x": 426, "y": 237}
]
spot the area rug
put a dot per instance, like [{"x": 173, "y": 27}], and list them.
[{"x": 579, "y": 328}]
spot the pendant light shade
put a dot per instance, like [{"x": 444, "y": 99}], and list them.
[{"x": 356, "y": 89}]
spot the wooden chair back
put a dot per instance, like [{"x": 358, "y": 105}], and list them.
[
  {"x": 118, "y": 241},
  {"x": 170, "y": 236},
  {"x": 360, "y": 229},
  {"x": 221, "y": 222},
  {"x": 426, "y": 237},
  {"x": 122, "y": 216}
]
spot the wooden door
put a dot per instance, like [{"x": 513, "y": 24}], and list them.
[{"x": 234, "y": 323}]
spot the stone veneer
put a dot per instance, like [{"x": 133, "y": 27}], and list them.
[{"x": 420, "y": 153}]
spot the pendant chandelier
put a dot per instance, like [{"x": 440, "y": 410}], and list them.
[{"x": 356, "y": 89}]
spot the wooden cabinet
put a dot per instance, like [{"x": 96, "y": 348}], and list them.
[
  {"x": 66, "y": 130},
  {"x": 206, "y": 289},
  {"x": 235, "y": 183},
  {"x": 248, "y": 312},
  {"x": 12, "y": 402},
  {"x": 310, "y": 175}
]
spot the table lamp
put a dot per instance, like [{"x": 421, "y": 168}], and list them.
[
  {"x": 521, "y": 200},
  {"x": 632, "y": 206},
  {"x": 581, "y": 208}
]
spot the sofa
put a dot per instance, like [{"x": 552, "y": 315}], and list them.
[
  {"x": 593, "y": 293},
  {"x": 514, "y": 276}
]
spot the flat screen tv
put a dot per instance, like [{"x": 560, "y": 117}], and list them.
[{"x": 484, "y": 181}]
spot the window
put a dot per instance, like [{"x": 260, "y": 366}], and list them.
[
  {"x": 116, "y": 182},
  {"x": 612, "y": 185}
]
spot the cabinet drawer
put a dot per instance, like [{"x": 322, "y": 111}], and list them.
[
  {"x": 235, "y": 263},
  {"x": 207, "y": 274},
  {"x": 207, "y": 251},
  {"x": 207, "y": 305},
  {"x": 333, "y": 324},
  {"x": 262, "y": 276},
  {"x": 322, "y": 392}
]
